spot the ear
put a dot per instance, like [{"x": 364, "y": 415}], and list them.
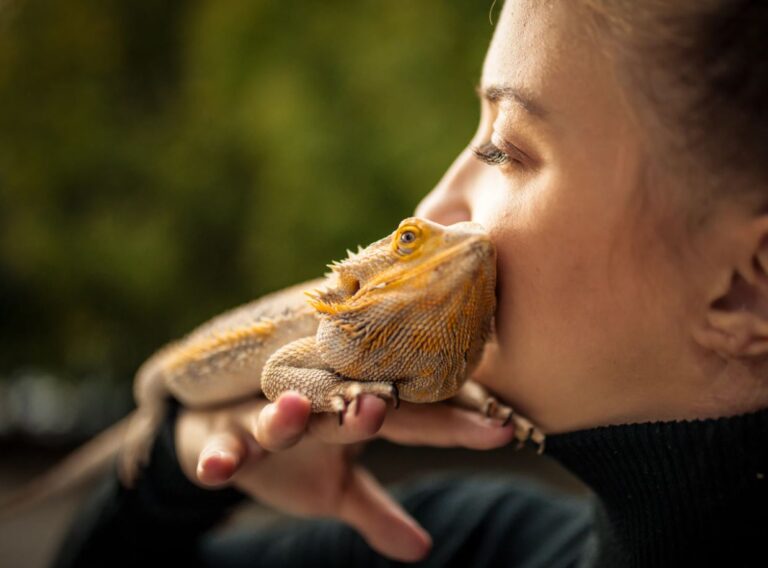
[{"x": 737, "y": 317}]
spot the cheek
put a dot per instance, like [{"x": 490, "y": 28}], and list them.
[
  {"x": 575, "y": 289},
  {"x": 545, "y": 283}
]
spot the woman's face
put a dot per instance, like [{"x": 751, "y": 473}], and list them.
[{"x": 596, "y": 271}]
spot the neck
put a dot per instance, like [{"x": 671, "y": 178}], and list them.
[{"x": 674, "y": 493}]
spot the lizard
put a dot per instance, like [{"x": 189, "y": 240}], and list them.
[{"x": 405, "y": 318}]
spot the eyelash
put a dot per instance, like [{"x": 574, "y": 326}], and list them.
[{"x": 492, "y": 155}]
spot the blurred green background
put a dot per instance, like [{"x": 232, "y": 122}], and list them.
[{"x": 163, "y": 161}]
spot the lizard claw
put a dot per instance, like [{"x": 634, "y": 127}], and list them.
[
  {"x": 532, "y": 434},
  {"x": 351, "y": 392},
  {"x": 524, "y": 430},
  {"x": 339, "y": 405},
  {"x": 538, "y": 438},
  {"x": 494, "y": 409},
  {"x": 521, "y": 441}
]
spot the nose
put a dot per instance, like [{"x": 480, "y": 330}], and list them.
[{"x": 448, "y": 202}]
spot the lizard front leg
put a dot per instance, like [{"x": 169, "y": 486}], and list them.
[
  {"x": 298, "y": 366},
  {"x": 475, "y": 396}
]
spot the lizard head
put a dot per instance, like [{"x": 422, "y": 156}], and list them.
[{"x": 417, "y": 302}]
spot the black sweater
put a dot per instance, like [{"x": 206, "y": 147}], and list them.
[{"x": 691, "y": 493}]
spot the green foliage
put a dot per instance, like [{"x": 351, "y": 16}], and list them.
[{"x": 163, "y": 161}]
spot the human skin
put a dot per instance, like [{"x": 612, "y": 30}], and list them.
[
  {"x": 604, "y": 289},
  {"x": 618, "y": 299}
]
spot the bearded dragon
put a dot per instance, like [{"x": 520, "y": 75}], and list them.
[{"x": 405, "y": 318}]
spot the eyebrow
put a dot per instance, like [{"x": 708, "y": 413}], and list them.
[{"x": 498, "y": 93}]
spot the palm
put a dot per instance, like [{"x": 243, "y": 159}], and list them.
[{"x": 308, "y": 479}]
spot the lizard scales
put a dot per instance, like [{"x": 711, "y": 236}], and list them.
[{"x": 407, "y": 316}]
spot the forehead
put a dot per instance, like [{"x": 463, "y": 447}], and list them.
[{"x": 541, "y": 48}]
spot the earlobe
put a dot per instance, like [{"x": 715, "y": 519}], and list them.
[
  {"x": 737, "y": 320},
  {"x": 735, "y": 334}
]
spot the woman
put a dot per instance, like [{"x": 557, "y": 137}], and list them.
[{"x": 620, "y": 166}]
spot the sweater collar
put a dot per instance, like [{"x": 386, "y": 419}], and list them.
[{"x": 674, "y": 493}]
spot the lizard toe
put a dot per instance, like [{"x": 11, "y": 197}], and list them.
[
  {"x": 494, "y": 409},
  {"x": 339, "y": 406},
  {"x": 489, "y": 408},
  {"x": 538, "y": 438}
]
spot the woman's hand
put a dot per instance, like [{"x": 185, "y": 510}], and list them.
[{"x": 303, "y": 464}]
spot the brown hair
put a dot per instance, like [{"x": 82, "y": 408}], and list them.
[{"x": 703, "y": 67}]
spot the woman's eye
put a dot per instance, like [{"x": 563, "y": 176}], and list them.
[{"x": 492, "y": 155}]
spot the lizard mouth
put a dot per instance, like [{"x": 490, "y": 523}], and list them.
[{"x": 352, "y": 296}]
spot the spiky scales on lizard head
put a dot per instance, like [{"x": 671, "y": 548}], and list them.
[{"x": 414, "y": 308}]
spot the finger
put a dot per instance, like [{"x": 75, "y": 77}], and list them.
[
  {"x": 362, "y": 420},
  {"x": 221, "y": 456},
  {"x": 380, "y": 520},
  {"x": 444, "y": 425},
  {"x": 281, "y": 424}
]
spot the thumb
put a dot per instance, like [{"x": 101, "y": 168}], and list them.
[{"x": 381, "y": 521}]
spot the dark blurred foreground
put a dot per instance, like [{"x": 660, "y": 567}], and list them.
[{"x": 32, "y": 539}]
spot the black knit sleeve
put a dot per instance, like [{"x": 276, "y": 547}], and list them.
[{"x": 162, "y": 519}]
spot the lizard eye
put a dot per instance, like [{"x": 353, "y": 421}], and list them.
[{"x": 407, "y": 240}]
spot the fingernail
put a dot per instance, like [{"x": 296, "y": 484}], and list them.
[
  {"x": 213, "y": 460},
  {"x": 269, "y": 410},
  {"x": 291, "y": 399},
  {"x": 216, "y": 453},
  {"x": 216, "y": 465},
  {"x": 264, "y": 416},
  {"x": 419, "y": 547}
]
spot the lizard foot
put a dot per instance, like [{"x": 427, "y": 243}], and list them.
[
  {"x": 525, "y": 431},
  {"x": 492, "y": 408},
  {"x": 475, "y": 396},
  {"x": 348, "y": 392}
]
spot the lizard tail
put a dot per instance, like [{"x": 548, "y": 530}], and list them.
[{"x": 80, "y": 466}]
